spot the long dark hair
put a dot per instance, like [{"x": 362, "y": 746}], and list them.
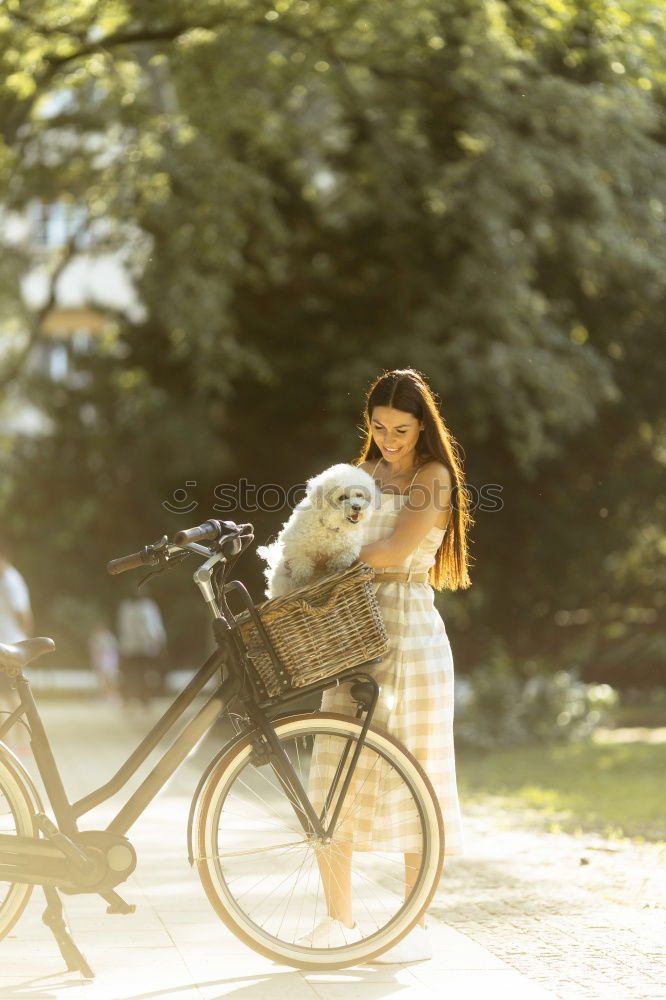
[{"x": 405, "y": 389}]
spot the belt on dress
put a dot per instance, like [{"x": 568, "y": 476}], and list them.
[{"x": 408, "y": 577}]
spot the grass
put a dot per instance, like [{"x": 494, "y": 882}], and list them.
[{"x": 614, "y": 789}]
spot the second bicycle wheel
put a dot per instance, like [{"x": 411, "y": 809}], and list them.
[
  {"x": 16, "y": 819},
  {"x": 269, "y": 880}
]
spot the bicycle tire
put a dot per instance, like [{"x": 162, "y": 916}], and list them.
[
  {"x": 246, "y": 865},
  {"x": 16, "y": 818}
]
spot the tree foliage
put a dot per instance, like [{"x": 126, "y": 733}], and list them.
[{"x": 308, "y": 193}]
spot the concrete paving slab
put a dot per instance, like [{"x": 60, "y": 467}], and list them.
[{"x": 174, "y": 947}]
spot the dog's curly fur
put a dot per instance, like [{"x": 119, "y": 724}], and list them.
[{"x": 323, "y": 534}]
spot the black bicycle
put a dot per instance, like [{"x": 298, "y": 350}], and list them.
[{"x": 270, "y": 814}]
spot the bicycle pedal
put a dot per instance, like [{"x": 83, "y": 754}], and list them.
[{"x": 116, "y": 903}]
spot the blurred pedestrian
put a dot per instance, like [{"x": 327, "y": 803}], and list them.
[
  {"x": 15, "y": 626},
  {"x": 105, "y": 660},
  {"x": 142, "y": 641}
]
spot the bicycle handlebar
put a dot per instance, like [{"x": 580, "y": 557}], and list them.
[
  {"x": 143, "y": 558},
  {"x": 211, "y": 531},
  {"x": 208, "y": 531}
]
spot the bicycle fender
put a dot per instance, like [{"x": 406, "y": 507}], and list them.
[
  {"x": 227, "y": 748},
  {"x": 200, "y": 787},
  {"x": 20, "y": 773}
]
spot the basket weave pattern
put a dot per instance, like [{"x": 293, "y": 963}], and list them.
[{"x": 317, "y": 631}]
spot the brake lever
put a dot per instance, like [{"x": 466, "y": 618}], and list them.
[
  {"x": 164, "y": 560},
  {"x": 148, "y": 576}
]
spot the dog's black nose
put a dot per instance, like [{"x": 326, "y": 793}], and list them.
[{"x": 356, "y": 506}]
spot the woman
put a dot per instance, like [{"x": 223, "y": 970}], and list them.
[{"x": 418, "y": 540}]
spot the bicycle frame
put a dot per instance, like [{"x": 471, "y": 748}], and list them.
[
  {"x": 26, "y": 855},
  {"x": 64, "y": 858}
]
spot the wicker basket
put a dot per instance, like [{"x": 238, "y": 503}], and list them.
[{"x": 317, "y": 631}]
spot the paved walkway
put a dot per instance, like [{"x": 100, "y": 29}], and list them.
[
  {"x": 524, "y": 915},
  {"x": 584, "y": 916}
]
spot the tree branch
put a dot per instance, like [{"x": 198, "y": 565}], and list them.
[
  {"x": 119, "y": 38},
  {"x": 19, "y": 360}
]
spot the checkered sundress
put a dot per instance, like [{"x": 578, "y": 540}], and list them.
[{"x": 416, "y": 700}]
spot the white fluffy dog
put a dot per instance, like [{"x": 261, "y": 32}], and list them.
[{"x": 323, "y": 534}]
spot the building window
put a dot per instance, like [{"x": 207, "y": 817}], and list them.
[
  {"x": 58, "y": 361},
  {"x": 52, "y": 225}
]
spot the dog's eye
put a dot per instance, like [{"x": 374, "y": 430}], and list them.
[{"x": 341, "y": 498}]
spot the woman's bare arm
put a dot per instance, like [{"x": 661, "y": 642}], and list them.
[{"x": 430, "y": 495}]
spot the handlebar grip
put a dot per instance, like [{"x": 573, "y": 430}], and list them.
[
  {"x": 209, "y": 530},
  {"x": 124, "y": 563}
]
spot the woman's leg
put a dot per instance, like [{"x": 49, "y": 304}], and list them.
[{"x": 335, "y": 865}]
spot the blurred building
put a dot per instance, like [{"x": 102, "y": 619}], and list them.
[{"x": 76, "y": 278}]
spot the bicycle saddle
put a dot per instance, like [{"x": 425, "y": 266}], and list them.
[{"x": 15, "y": 656}]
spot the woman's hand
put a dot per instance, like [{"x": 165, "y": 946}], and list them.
[{"x": 430, "y": 495}]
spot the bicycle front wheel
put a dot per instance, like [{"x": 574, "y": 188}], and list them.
[
  {"x": 16, "y": 819},
  {"x": 272, "y": 883}
]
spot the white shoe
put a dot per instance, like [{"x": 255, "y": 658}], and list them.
[
  {"x": 330, "y": 933},
  {"x": 415, "y": 947}
]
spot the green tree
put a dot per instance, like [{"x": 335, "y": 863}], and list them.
[{"x": 316, "y": 192}]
